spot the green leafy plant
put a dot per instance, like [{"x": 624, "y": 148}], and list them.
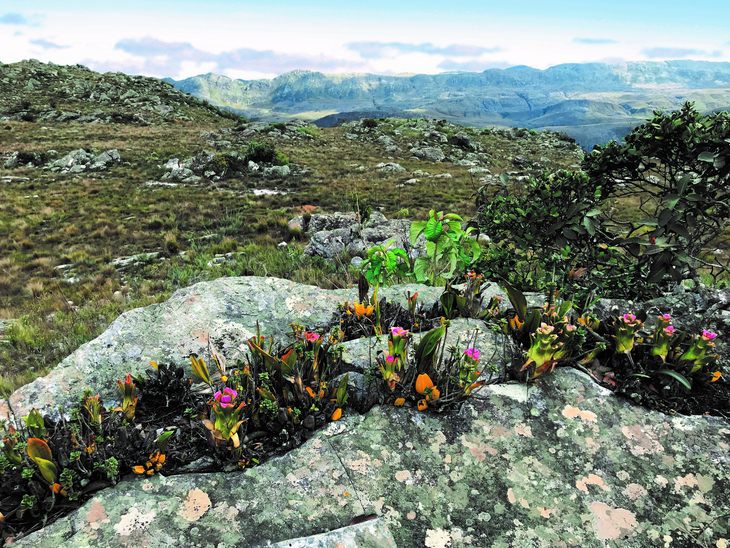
[
  {"x": 445, "y": 241},
  {"x": 385, "y": 265}
]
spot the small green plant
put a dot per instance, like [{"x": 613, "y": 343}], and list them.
[
  {"x": 445, "y": 241},
  {"x": 385, "y": 265},
  {"x": 309, "y": 131}
]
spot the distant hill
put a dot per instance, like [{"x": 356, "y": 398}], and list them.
[
  {"x": 591, "y": 102},
  {"x": 34, "y": 91}
]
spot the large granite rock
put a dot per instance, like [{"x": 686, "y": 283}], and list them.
[
  {"x": 568, "y": 464},
  {"x": 564, "y": 464},
  {"x": 223, "y": 312}
]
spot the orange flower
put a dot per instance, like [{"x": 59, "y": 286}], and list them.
[
  {"x": 361, "y": 310},
  {"x": 422, "y": 405},
  {"x": 716, "y": 375},
  {"x": 399, "y": 402},
  {"x": 337, "y": 414},
  {"x": 311, "y": 392},
  {"x": 434, "y": 394},
  {"x": 422, "y": 382},
  {"x": 138, "y": 470}
]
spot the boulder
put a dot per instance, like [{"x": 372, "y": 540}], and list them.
[
  {"x": 428, "y": 153},
  {"x": 566, "y": 463},
  {"x": 333, "y": 234},
  {"x": 277, "y": 171},
  {"x": 223, "y": 312},
  {"x": 390, "y": 167}
]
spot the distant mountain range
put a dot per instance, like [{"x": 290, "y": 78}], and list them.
[{"x": 591, "y": 102}]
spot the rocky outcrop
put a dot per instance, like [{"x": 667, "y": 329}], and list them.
[
  {"x": 333, "y": 234},
  {"x": 563, "y": 463},
  {"x": 76, "y": 161},
  {"x": 32, "y": 91}
]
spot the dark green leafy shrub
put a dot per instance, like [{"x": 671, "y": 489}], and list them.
[
  {"x": 552, "y": 221},
  {"x": 679, "y": 166},
  {"x": 281, "y": 126},
  {"x": 260, "y": 152},
  {"x": 369, "y": 122}
]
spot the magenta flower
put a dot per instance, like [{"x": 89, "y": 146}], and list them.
[
  {"x": 667, "y": 317},
  {"x": 389, "y": 359},
  {"x": 225, "y": 398},
  {"x": 311, "y": 337},
  {"x": 669, "y": 330},
  {"x": 473, "y": 353},
  {"x": 628, "y": 318},
  {"x": 707, "y": 335},
  {"x": 398, "y": 332}
]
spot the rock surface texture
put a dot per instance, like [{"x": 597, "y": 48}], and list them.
[
  {"x": 565, "y": 464},
  {"x": 339, "y": 232}
]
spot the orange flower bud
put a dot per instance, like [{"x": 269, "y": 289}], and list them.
[
  {"x": 337, "y": 414},
  {"x": 422, "y": 405},
  {"x": 399, "y": 402},
  {"x": 422, "y": 382},
  {"x": 138, "y": 470}
]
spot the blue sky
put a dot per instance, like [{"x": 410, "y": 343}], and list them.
[{"x": 264, "y": 39}]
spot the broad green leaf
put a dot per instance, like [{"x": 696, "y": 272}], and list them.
[
  {"x": 656, "y": 274},
  {"x": 452, "y": 217},
  {"x": 519, "y": 303},
  {"x": 427, "y": 348},
  {"x": 433, "y": 230},
  {"x": 533, "y": 321},
  {"x": 342, "y": 390},
  {"x": 671, "y": 200},
  {"x": 587, "y": 222},
  {"x": 38, "y": 449},
  {"x": 416, "y": 228},
  {"x": 664, "y": 217},
  {"x": 48, "y": 470},
  {"x": 679, "y": 229},
  {"x": 706, "y": 157},
  {"x": 420, "y": 269},
  {"x": 683, "y": 182}
]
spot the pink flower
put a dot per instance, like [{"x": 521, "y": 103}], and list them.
[
  {"x": 669, "y": 330},
  {"x": 667, "y": 317},
  {"x": 226, "y": 397},
  {"x": 628, "y": 318},
  {"x": 473, "y": 353},
  {"x": 398, "y": 332},
  {"x": 389, "y": 359},
  {"x": 707, "y": 335},
  {"x": 570, "y": 327},
  {"x": 311, "y": 337}
]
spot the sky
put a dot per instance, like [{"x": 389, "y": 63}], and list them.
[{"x": 252, "y": 40}]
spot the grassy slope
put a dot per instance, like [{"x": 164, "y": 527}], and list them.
[{"x": 89, "y": 219}]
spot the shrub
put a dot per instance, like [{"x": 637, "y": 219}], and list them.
[
  {"x": 281, "y": 159},
  {"x": 260, "y": 152},
  {"x": 369, "y": 122},
  {"x": 281, "y": 126},
  {"x": 678, "y": 166},
  {"x": 312, "y": 132}
]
